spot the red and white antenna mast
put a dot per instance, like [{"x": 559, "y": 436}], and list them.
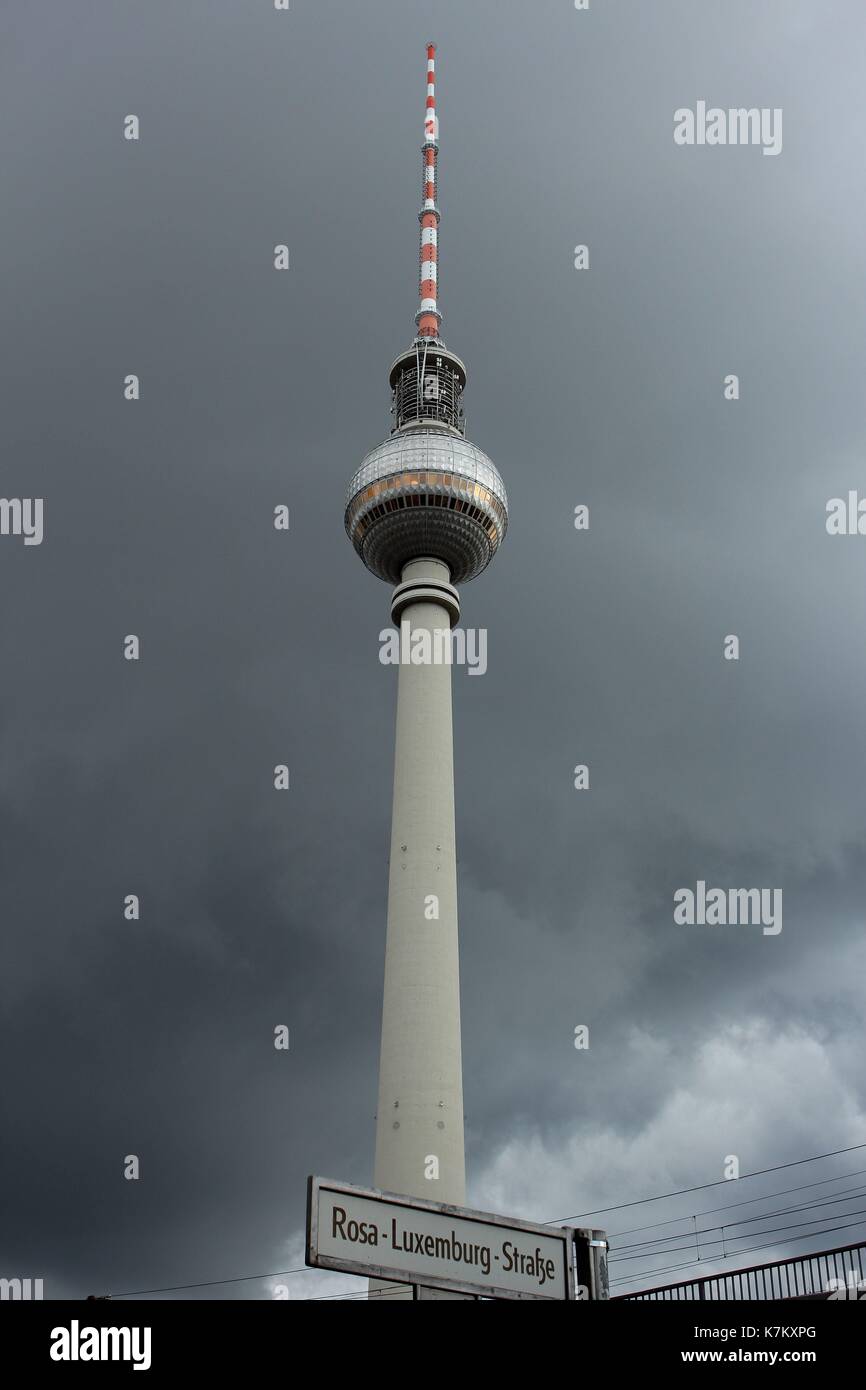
[{"x": 428, "y": 317}]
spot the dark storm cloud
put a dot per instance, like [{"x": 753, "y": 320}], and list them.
[{"x": 605, "y": 648}]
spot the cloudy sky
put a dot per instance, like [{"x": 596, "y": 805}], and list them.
[{"x": 602, "y": 387}]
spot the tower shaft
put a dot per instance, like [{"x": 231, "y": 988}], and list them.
[{"x": 419, "y": 1124}]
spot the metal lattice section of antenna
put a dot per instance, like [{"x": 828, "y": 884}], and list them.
[{"x": 428, "y": 317}]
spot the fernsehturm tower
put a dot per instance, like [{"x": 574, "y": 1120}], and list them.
[{"x": 426, "y": 511}]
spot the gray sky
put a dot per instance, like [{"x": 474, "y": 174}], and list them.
[{"x": 601, "y": 387}]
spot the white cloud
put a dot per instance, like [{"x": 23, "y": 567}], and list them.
[{"x": 764, "y": 1096}]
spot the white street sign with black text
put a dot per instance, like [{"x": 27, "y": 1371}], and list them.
[{"x": 387, "y": 1236}]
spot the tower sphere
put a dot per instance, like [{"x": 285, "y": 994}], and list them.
[{"x": 427, "y": 491}]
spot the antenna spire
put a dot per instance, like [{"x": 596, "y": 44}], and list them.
[{"x": 428, "y": 317}]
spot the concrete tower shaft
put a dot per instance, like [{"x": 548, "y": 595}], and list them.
[{"x": 419, "y": 1130}]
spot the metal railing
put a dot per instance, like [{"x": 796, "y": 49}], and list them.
[{"x": 801, "y": 1276}]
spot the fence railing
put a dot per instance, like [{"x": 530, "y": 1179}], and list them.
[{"x": 801, "y": 1276}]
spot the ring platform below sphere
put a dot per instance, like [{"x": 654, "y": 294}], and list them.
[{"x": 426, "y": 492}]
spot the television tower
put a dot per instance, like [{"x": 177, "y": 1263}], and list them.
[{"x": 426, "y": 511}]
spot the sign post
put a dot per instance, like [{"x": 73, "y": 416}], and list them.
[
  {"x": 436, "y": 1246},
  {"x": 590, "y": 1254}
]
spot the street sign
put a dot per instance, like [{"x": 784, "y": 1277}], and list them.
[{"x": 360, "y": 1230}]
